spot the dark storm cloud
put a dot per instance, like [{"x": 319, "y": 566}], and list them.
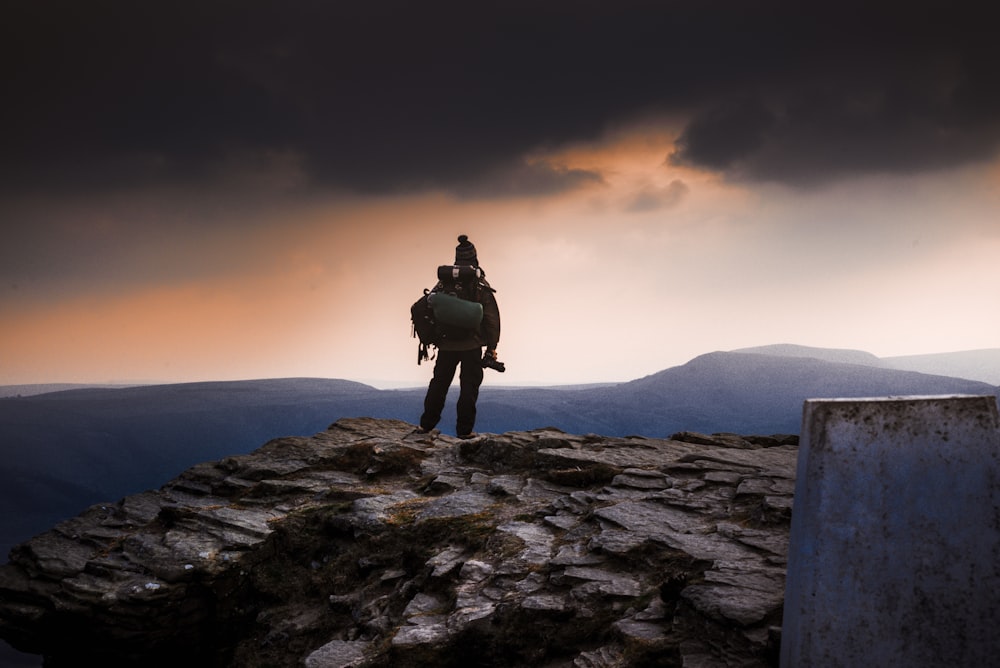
[
  {"x": 390, "y": 95},
  {"x": 892, "y": 121},
  {"x": 864, "y": 89},
  {"x": 524, "y": 179}
]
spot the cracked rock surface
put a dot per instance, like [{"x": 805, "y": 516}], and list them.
[{"x": 370, "y": 545}]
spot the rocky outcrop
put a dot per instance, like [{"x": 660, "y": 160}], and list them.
[{"x": 371, "y": 545}]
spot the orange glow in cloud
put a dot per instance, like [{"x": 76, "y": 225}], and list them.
[
  {"x": 198, "y": 332},
  {"x": 322, "y": 291},
  {"x": 648, "y": 268}
]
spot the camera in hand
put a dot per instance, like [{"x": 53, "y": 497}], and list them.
[{"x": 490, "y": 362}]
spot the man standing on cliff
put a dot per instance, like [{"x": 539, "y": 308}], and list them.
[{"x": 465, "y": 350}]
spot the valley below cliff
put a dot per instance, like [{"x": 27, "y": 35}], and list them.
[{"x": 370, "y": 545}]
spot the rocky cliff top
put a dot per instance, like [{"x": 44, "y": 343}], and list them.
[{"x": 370, "y": 545}]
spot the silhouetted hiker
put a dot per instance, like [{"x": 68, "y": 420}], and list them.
[{"x": 465, "y": 318}]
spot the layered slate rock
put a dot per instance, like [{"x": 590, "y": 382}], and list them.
[{"x": 371, "y": 545}]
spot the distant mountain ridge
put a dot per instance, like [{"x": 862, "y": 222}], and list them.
[
  {"x": 63, "y": 451},
  {"x": 751, "y": 393},
  {"x": 837, "y": 355},
  {"x": 33, "y": 389},
  {"x": 982, "y": 365}
]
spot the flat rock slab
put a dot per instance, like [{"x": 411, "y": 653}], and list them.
[
  {"x": 338, "y": 654},
  {"x": 370, "y": 545}
]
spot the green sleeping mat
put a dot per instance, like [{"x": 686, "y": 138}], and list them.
[{"x": 450, "y": 310}]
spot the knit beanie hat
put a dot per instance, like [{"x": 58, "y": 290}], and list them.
[{"x": 465, "y": 252}]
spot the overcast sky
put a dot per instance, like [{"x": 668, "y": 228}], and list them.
[{"x": 225, "y": 190}]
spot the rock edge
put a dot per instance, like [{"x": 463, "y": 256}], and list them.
[{"x": 371, "y": 545}]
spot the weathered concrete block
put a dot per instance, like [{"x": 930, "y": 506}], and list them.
[{"x": 895, "y": 539}]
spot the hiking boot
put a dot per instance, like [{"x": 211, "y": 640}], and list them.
[{"x": 471, "y": 434}]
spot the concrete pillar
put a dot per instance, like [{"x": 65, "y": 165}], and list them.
[{"x": 894, "y": 557}]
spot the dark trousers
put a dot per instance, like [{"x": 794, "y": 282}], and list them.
[{"x": 470, "y": 378}]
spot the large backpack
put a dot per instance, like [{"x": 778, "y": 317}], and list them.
[{"x": 451, "y": 310}]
